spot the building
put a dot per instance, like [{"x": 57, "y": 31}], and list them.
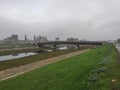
[
  {"x": 72, "y": 39},
  {"x": 40, "y": 38},
  {"x": 34, "y": 38},
  {"x": 25, "y": 37},
  {"x": 57, "y": 39},
  {"x": 12, "y": 38}
]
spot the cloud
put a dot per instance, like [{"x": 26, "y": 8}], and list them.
[{"x": 89, "y": 19}]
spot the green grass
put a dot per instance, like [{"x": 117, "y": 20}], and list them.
[
  {"x": 30, "y": 59},
  {"x": 69, "y": 74},
  {"x": 112, "y": 73}
]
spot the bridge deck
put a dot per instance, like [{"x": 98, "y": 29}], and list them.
[{"x": 72, "y": 42}]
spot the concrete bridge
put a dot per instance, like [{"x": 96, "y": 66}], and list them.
[{"x": 77, "y": 43}]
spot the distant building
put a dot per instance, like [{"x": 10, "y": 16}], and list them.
[
  {"x": 40, "y": 38},
  {"x": 12, "y": 38},
  {"x": 57, "y": 39},
  {"x": 72, "y": 39},
  {"x": 34, "y": 37},
  {"x": 25, "y": 37}
]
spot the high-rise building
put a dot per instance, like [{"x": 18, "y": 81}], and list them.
[
  {"x": 34, "y": 38},
  {"x": 25, "y": 37}
]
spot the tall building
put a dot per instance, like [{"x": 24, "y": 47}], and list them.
[
  {"x": 25, "y": 37},
  {"x": 34, "y": 38}
]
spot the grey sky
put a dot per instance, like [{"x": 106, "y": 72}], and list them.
[{"x": 83, "y": 19}]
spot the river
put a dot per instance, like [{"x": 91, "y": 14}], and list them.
[
  {"x": 16, "y": 56},
  {"x": 21, "y": 55},
  {"x": 117, "y": 47}
]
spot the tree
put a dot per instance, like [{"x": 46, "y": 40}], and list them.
[{"x": 118, "y": 41}]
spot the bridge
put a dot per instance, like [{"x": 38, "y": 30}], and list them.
[{"x": 77, "y": 43}]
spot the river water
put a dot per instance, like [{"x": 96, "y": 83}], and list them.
[
  {"x": 117, "y": 47},
  {"x": 16, "y": 56},
  {"x": 21, "y": 55}
]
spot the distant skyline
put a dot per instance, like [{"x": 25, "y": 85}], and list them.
[{"x": 83, "y": 19}]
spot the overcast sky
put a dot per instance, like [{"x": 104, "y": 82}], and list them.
[{"x": 83, "y": 19}]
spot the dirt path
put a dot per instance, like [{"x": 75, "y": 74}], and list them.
[{"x": 12, "y": 72}]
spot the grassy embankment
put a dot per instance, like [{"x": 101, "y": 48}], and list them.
[
  {"x": 11, "y": 46},
  {"x": 92, "y": 70}
]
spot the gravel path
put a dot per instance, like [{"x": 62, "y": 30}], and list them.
[{"x": 12, "y": 72}]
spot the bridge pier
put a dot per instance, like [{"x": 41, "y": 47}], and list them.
[
  {"x": 40, "y": 45},
  {"x": 54, "y": 46},
  {"x": 78, "y": 47}
]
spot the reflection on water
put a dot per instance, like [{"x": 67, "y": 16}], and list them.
[
  {"x": 41, "y": 51},
  {"x": 16, "y": 56},
  {"x": 118, "y": 47},
  {"x": 20, "y": 55},
  {"x": 63, "y": 48}
]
